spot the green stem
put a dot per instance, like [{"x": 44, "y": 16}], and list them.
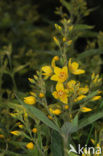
[
  {"x": 65, "y": 142},
  {"x": 90, "y": 134}
]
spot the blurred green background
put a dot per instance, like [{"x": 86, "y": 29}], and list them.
[{"x": 27, "y": 29}]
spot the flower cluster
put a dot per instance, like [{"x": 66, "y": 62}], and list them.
[{"x": 66, "y": 91}]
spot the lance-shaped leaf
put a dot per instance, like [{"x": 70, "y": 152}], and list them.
[
  {"x": 88, "y": 120},
  {"x": 56, "y": 144},
  {"x": 91, "y": 52},
  {"x": 35, "y": 112}
]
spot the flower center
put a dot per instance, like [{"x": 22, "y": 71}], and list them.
[
  {"x": 60, "y": 93},
  {"x": 62, "y": 75}
]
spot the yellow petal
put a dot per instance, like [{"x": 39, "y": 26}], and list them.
[
  {"x": 78, "y": 72},
  {"x": 57, "y": 70},
  {"x": 51, "y": 110},
  {"x": 50, "y": 117},
  {"x": 83, "y": 90},
  {"x": 55, "y": 94},
  {"x": 60, "y": 86},
  {"x": 64, "y": 99},
  {"x": 66, "y": 106},
  {"x": 80, "y": 98},
  {"x": 95, "y": 98},
  {"x": 47, "y": 71},
  {"x": 57, "y": 111},
  {"x": 30, "y": 100},
  {"x": 34, "y": 130},
  {"x": 93, "y": 76},
  {"x": 30, "y": 145},
  {"x": 99, "y": 92},
  {"x": 85, "y": 109},
  {"x": 75, "y": 66},
  {"x": 54, "y": 78},
  {"x": 65, "y": 70},
  {"x": 71, "y": 84},
  {"x": 72, "y": 66},
  {"x": 55, "y": 58},
  {"x": 17, "y": 133}
]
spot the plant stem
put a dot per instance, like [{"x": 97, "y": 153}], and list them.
[{"x": 65, "y": 142}]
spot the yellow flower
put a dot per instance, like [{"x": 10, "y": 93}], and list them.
[
  {"x": 73, "y": 67},
  {"x": 64, "y": 39},
  {"x": 85, "y": 109},
  {"x": 41, "y": 95},
  {"x": 66, "y": 106},
  {"x": 60, "y": 93},
  {"x": 34, "y": 130},
  {"x": 95, "y": 78},
  {"x": 95, "y": 98},
  {"x": 47, "y": 71},
  {"x": 55, "y": 58},
  {"x": 30, "y": 100},
  {"x": 61, "y": 74},
  {"x": 56, "y": 41},
  {"x": 80, "y": 98},
  {"x": 69, "y": 42},
  {"x": 17, "y": 133},
  {"x": 58, "y": 27},
  {"x": 70, "y": 85},
  {"x": 55, "y": 111},
  {"x": 30, "y": 145},
  {"x": 32, "y": 93},
  {"x": 31, "y": 80},
  {"x": 19, "y": 125},
  {"x": 99, "y": 92},
  {"x": 50, "y": 117},
  {"x": 83, "y": 90}
]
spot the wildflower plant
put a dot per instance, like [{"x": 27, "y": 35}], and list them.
[
  {"x": 64, "y": 97},
  {"x": 61, "y": 101}
]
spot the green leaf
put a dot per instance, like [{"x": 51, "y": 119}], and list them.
[
  {"x": 67, "y": 5},
  {"x": 82, "y": 27},
  {"x": 75, "y": 121},
  {"x": 90, "y": 53},
  {"x": 56, "y": 144},
  {"x": 34, "y": 112},
  {"x": 10, "y": 153},
  {"x": 21, "y": 67},
  {"x": 88, "y": 120},
  {"x": 52, "y": 53},
  {"x": 87, "y": 33}
]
